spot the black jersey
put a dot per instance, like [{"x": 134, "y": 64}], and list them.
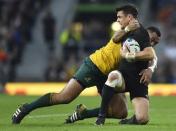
[{"x": 141, "y": 36}]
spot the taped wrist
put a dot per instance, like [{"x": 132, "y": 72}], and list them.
[
  {"x": 130, "y": 56},
  {"x": 152, "y": 69},
  {"x": 154, "y": 65}
]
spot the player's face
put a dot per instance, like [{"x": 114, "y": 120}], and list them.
[
  {"x": 123, "y": 19},
  {"x": 154, "y": 38}
]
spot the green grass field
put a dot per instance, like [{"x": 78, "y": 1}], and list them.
[{"x": 162, "y": 112}]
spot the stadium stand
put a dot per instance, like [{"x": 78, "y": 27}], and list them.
[{"x": 79, "y": 28}]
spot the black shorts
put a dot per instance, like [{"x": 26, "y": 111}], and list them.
[
  {"x": 133, "y": 85},
  {"x": 89, "y": 75}
]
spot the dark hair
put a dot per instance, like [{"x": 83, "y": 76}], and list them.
[
  {"x": 154, "y": 29},
  {"x": 128, "y": 9}
]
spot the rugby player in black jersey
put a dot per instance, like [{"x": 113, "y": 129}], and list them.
[
  {"x": 126, "y": 78},
  {"x": 82, "y": 112}
]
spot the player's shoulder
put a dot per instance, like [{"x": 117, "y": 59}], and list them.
[
  {"x": 141, "y": 31},
  {"x": 141, "y": 35}
]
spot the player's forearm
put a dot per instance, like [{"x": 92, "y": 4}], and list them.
[
  {"x": 146, "y": 54},
  {"x": 143, "y": 56},
  {"x": 118, "y": 36}
]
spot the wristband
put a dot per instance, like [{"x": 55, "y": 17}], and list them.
[
  {"x": 130, "y": 56},
  {"x": 154, "y": 65},
  {"x": 151, "y": 68}
]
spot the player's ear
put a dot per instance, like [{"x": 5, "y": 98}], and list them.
[{"x": 130, "y": 17}]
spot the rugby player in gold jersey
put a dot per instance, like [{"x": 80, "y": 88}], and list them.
[{"x": 93, "y": 72}]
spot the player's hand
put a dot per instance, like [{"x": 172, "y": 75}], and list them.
[
  {"x": 146, "y": 76},
  {"x": 130, "y": 57},
  {"x": 123, "y": 51},
  {"x": 133, "y": 25}
]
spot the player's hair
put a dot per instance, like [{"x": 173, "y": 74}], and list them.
[
  {"x": 128, "y": 9},
  {"x": 154, "y": 29}
]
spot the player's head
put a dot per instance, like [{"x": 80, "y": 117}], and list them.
[
  {"x": 154, "y": 34},
  {"x": 125, "y": 14}
]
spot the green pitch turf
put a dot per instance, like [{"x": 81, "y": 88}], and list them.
[{"x": 162, "y": 112}]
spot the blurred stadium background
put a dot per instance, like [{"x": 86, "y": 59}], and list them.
[{"x": 45, "y": 40}]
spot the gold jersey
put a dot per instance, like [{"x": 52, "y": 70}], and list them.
[{"x": 107, "y": 58}]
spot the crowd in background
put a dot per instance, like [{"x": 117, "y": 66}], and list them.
[
  {"x": 78, "y": 41},
  {"x": 164, "y": 13},
  {"x": 17, "y": 18},
  {"x": 94, "y": 34}
]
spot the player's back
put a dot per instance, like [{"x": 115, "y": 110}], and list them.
[{"x": 107, "y": 58}]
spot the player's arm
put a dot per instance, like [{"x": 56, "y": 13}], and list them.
[
  {"x": 118, "y": 35},
  {"x": 147, "y": 54},
  {"x": 146, "y": 74}
]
